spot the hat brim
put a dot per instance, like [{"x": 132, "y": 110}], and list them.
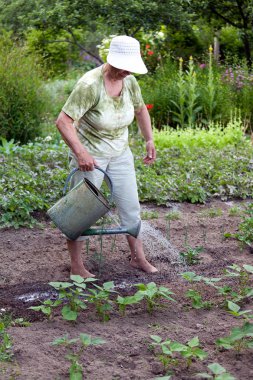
[{"x": 133, "y": 64}]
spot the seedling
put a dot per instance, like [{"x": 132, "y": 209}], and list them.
[
  {"x": 243, "y": 275},
  {"x": 147, "y": 215},
  {"x": 173, "y": 215},
  {"x": 171, "y": 351},
  {"x": 101, "y": 299},
  {"x": 217, "y": 373},
  {"x": 75, "y": 348},
  {"x": 197, "y": 300},
  {"x": 47, "y": 307},
  {"x": 6, "y": 353},
  {"x": 153, "y": 294},
  {"x": 236, "y": 311},
  {"x": 123, "y": 302},
  {"x": 240, "y": 338},
  {"x": 191, "y": 255},
  {"x": 72, "y": 294},
  {"x": 212, "y": 212}
]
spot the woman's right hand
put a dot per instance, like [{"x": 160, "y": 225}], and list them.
[{"x": 85, "y": 161}]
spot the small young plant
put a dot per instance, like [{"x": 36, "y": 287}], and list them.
[
  {"x": 197, "y": 300},
  {"x": 6, "y": 353},
  {"x": 235, "y": 211},
  {"x": 153, "y": 294},
  {"x": 173, "y": 215},
  {"x": 191, "y": 255},
  {"x": 47, "y": 307},
  {"x": 236, "y": 311},
  {"x": 239, "y": 338},
  {"x": 123, "y": 302},
  {"x": 243, "y": 275},
  {"x": 211, "y": 212},
  {"x": 75, "y": 348},
  {"x": 217, "y": 373},
  {"x": 100, "y": 296},
  {"x": 172, "y": 351},
  {"x": 73, "y": 294},
  {"x": 147, "y": 215}
]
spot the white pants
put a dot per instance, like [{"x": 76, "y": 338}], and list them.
[{"x": 122, "y": 173}]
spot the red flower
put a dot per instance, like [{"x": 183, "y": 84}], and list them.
[
  {"x": 147, "y": 46},
  {"x": 149, "y": 106},
  {"x": 150, "y": 52}
]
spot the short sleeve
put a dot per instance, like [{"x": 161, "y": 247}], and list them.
[
  {"x": 81, "y": 99},
  {"x": 136, "y": 95}
]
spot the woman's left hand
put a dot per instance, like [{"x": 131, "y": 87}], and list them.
[{"x": 151, "y": 153}]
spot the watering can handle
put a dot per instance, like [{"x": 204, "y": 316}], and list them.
[{"x": 107, "y": 180}]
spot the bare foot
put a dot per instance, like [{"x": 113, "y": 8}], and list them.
[
  {"x": 143, "y": 265},
  {"x": 81, "y": 272}
]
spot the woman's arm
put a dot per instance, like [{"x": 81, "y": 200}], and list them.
[
  {"x": 144, "y": 122},
  {"x": 66, "y": 128}
]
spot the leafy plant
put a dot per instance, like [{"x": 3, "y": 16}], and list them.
[
  {"x": 236, "y": 311},
  {"x": 72, "y": 293},
  {"x": 147, "y": 215},
  {"x": 191, "y": 255},
  {"x": 239, "y": 338},
  {"x": 173, "y": 215},
  {"x": 152, "y": 295},
  {"x": 211, "y": 212},
  {"x": 197, "y": 300},
  {"x": 47, "y": 307},
  {"x": 100, "y": 296},
  {"x": 75, "y": 348},
  {"x": 6, "y": 346},
  {"x": 123, "y": 302},
  {"x": 171, "y": 351},
  {"x": 217, "y": 373},
  {"x": 243, "y": 276}
]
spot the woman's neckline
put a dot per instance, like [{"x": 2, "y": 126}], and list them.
[{"x": 114, "y": 97}]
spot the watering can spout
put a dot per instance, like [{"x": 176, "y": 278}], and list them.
[{"x": 133, "y": 231}]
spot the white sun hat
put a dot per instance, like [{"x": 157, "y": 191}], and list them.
[{"x": 124, "y": 54}]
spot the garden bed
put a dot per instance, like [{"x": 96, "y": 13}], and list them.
[{"x": 31, "y": 258}]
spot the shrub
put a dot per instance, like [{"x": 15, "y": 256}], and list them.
[{"x": 22, "y": 98}]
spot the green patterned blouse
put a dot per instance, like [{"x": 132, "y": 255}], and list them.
[{"x": 101, "y": 120}]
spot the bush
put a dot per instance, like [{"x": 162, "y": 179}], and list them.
[{"x": 22, "y": 98}]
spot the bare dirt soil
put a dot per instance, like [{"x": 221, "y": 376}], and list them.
[{"x": 31, "y": 258}]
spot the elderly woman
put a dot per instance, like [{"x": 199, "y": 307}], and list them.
[{"x": 94, "y": 123}]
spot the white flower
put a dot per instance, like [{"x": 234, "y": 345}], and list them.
[{"x": 48, "y": 138}]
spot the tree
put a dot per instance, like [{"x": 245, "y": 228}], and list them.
[{"x": 238, "y": 13}]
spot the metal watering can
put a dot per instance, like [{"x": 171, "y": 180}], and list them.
[{"x": 82, "y": 207}]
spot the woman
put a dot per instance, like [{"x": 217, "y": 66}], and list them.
[{"x": 94, "y": 123}]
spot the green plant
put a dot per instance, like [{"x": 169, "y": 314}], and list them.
[
  {"x": 243, "y": 276},
  {"x": 75, "y": 348},
  {"x": 23, "y": 99},
  {"x": 191, "y": 255},
  {"x": 239, "y": 338},
  {"x": 47, "y": 307},
  {"x": 147, "y": 215},
  {"x": 72, "y": 293},
  {"x": 152, "y": 294},
  {"x": 123, "y": 302},
  {"x": 217, "y": 373},
  {"x": 197, "y": 300},
  {"x": 173, "y": 215},
  {"x": 100, "y": 296},
  {"x": 235, "y": 211},
  {"x": 236, "y": 311},
  {"x": 211, "y": 212},
  {"x": 171, "y": 351},
  {"x": 6, "y": 346}
]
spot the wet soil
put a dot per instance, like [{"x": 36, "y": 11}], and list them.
[{"x": 31, "y": 258}]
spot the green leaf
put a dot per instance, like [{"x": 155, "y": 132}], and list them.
[
  {"x": 77, "y": 278},
  {"x": 61, "y": 285},
  {"x": 156, "y": 338},
  {"x": 194, "y": 342},
  {"x": 233, "y": 306},
  {"x": 216, "y": 368},
  {"x": 68, "y": 314},
  {"x": 249, "y": 268},
  {"x": 177, "y": 347}
]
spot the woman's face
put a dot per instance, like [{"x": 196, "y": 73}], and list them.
[{"x": 118, "y": 74}]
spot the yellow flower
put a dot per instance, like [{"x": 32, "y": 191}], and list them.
[{"x": 210, "y": 49}]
